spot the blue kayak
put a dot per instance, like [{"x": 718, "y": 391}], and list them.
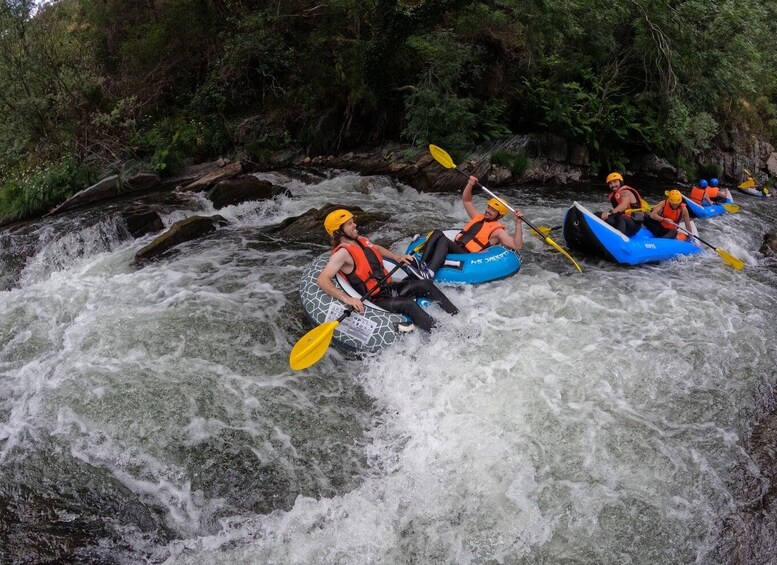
[
  {"x": 587, "y": 233},
  {"x": 493, "y": 263},
  {"x": 707, "y": 211}
]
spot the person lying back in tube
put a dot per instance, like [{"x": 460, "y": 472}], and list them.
[
  {"x": 361, "y": 263},
  {"x": 666, "y": 216},
  {"x": 482, "y": 231},
  {"x": 626, "y": 202}
]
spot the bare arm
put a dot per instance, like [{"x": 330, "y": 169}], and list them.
[
  {"x": 324, "y": 280},
  {"x": 657, "y": 211},
  {"x": 388, "y": 254},
  {"x": 624, "y": 204},
  {"x": 466, "y": 197},
  {"x": 514, "y": 242}
]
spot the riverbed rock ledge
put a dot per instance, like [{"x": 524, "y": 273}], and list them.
[
  {"x": 180, "y": 232},
  {"x": 109, "y": 187},
  {"x": 769, "y": 247}
]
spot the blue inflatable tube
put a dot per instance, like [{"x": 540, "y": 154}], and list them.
[
  {"x": 491, "y": 264},
  {"x": 587, "y": 233},
  {"x": 699, "y": 211}
]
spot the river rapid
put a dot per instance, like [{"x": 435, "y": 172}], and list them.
[{"x": 150, "y": 414}]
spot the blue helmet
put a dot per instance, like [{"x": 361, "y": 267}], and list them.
[
  {"x": 703, "y": 183},
  {"x": 713, "y": 182}
]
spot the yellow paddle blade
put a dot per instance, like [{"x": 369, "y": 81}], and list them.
[
  {"x": 421, "y": 245},
  {"x": 542, "y": 231},
  {"x": 738, "y": 264},
  {"x": 312, "y": 346},
  {"x": 731, "y": 208},
  {"x": 442, "y": 157},
  {"x": 563, "y": 252}
]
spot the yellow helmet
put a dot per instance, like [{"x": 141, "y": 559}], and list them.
[
  {"x": 674, "y": 197},
  {"x": 335, "y": 220},
  {"x": 497, "y": 205},
  {"x": 614, "y": 176}
]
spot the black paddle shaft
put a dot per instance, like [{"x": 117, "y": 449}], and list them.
[{"x": 367, "y": 294}]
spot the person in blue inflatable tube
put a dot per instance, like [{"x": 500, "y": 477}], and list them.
[
  {"x": 481, "y": 232},
  {"x": 361, "y": 263}
]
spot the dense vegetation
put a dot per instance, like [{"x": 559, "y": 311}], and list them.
[{"x": 85, "y": 84}]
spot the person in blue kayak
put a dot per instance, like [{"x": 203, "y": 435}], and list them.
[
  {"x": 717, "y": 194},
  {"x": 666, "y": 216},
  {"x": 361, "y": 263},
  {"x": 626, "y": 203},
  {"x": 481, "y": 232},
  {"x": 699, "y": 193}
]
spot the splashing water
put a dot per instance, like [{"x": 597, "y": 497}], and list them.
[{"x": 150, "y": 414}]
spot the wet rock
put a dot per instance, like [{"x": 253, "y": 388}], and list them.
[
  {"x": 107, "y": 188},
  {"x": 578, "y": 156},
  {"x": 309, "y": 227},
  {"x": 771, "y": 164},
  {"x": 69, "y": 512},
  {"x": 769, "y": 247},
  {"x": 654, "y": 166},
  {"x": 543, "y": 170},
  {"x": 243, "y": 189},
  {"x": 189, "y": 175},
  {"x": 141, "y": 221},
  {"x": 552, "y": 147},
  {"x": 499, "y": 175},
  {"x": 212, "y": 178},
  {"x": 180, "y": 232}
]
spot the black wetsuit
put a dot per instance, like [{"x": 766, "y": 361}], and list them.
[
  {"x": 437, "y": 247},
  {"x": 399, "y": 297},
  {"x": 624, "y": 224},
  {"x": 658, "y": 230}
]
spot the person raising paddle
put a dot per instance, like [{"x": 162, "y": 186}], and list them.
[
  {"x": 482, "y": 231},
  {"x": 361, "y": 263}
]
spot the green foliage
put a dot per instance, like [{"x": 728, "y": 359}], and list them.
[
  {"x": 30, "y": 191},
  {"x": 439, "y": 109},
  {"x": 517, "y": 163},
  {"x": 168, "y": 144},
  {"x": 690, "y": 132},
  {"x": 168, "y": 80},
  {"x": 709, "y": 170},
  {"x": 686, "y": 165}
]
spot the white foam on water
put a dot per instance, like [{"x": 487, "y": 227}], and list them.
[{"x": 559, "y": 416}]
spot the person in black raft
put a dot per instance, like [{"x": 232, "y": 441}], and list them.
[
  {"x": 623, "y": 199},
  {"x": 361, "y": 263},
  {"x": 482, "y": 231}
]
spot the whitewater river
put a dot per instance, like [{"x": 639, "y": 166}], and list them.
[{"x": 150, "y": 415}]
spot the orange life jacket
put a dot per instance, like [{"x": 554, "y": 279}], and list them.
[
  {"x": 697, "y": 194},
  {"x": 617, "y": 196},
  {"x": 712, "y": 192},
  {"x": 669, "y": 213},
  {"x": 476, "y": 234},
  {"x": 368, "y": 266}
]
